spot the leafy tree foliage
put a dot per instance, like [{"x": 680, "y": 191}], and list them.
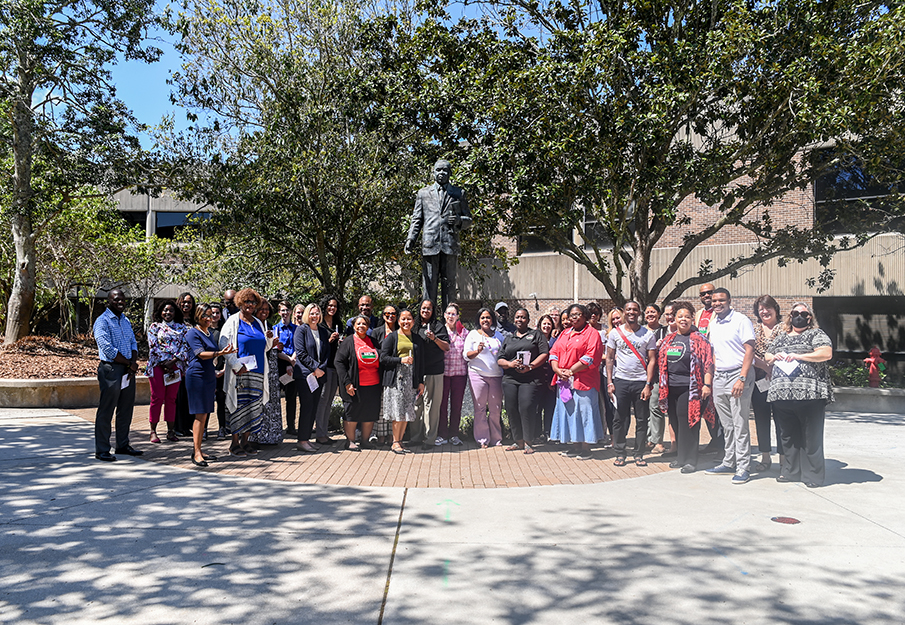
[
  {"x": 309, "y": 180},
  {"x": 62, "y": 125},
  {"x": 571, "y": 113}
]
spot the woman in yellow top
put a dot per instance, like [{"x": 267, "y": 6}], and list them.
[{"x": 401, "y": 356}]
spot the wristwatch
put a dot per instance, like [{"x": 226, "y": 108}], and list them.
[{"x": 742, "y": 378}]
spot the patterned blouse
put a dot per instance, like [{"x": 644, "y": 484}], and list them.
[
  {"x": 454, "y": 363},
  {"x": 166, "y": 341},
  {"x": 810, "y": 380},
  {"x": 701, "y": 362}
]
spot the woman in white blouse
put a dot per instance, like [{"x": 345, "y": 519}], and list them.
[{"x": 481, "y": 349}]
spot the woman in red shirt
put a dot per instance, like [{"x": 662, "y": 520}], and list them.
[
  {"x": 575, "y": 359},
  {"x": 358, "y": 371}
]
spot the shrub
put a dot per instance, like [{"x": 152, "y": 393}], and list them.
[{"x": 847, "y": 373}]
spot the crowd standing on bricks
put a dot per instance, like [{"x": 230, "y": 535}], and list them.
[{"x": 572, "y": 378}]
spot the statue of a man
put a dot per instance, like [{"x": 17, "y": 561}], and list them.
[{"x": 441, "y": 211}]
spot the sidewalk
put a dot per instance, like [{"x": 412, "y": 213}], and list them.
[{"x": 146, "y": 542}]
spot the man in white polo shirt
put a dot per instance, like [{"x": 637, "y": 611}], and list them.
[{"x": 732, "y": 336}]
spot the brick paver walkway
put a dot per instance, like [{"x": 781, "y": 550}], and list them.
[{"x": 442, "y": 467}]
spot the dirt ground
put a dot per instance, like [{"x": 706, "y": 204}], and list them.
[{"x": 47, "y": 357}]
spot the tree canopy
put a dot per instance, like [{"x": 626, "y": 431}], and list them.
[
  {"x": 62, "y": 126},
  {"x": 603, "y": 118}
]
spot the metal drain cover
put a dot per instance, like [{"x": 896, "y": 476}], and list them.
[{"x": 786, "y": 520}]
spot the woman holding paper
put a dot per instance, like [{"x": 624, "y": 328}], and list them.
[
  {"x": 575, "y": 359},
  {"x": 800, "y": 388},
  {"x": 246, "y": 370},
  {"x": 481, "y": 350},
  {"x": 201, "y": 377},
  {"x": 358, "y": 371},
  {"x": 767, "y": 312},
  {"x": 312, "y": 351},
  {"x": 521, "y": 358},
  {"x": 167, "y": 354},
  {"x": 685, "y": 369}
]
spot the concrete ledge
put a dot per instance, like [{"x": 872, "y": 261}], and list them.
[
  {"x": 854, "y": 399},
  {"x": 62, "y": 393}
]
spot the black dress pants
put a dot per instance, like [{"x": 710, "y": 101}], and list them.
[
  {"x": 521, "y": 408},
  {"x": 687, "y": 437},
  {"x": 308, "y": 402},
  {"x": 113, "y": 398},
  {"x": 763, "y": 417},
  {"x": 628, "y": 394},
  {"x": 801, "y": 428}
]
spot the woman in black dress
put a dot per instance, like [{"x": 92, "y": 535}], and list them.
[
  {"x": 201, "y": 377},
  {"x": 358, "y": 370}
]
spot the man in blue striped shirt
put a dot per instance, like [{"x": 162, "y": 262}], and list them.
[{"x": 118, "y": 352}]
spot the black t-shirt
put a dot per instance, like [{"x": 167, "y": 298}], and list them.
[
  {"x": 678, "y": 360},
  {"x": 534, "y": 342},
  {"x": 434, "y": 361}
]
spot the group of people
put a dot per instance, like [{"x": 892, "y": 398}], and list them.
[{"x": 574, "y": 377}]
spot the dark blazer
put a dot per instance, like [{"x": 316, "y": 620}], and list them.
[
  {"x": 347, "y": 366},
  {"x": 429, "y": 218},
  {"x": 389, "y": 360},
  {"x": 308, "y": 357}
]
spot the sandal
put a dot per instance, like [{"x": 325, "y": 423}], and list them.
[
  {"x": 513, "y": 447},
  {"x": 352, "y": 446},
  {"x": 620, "y": 462},
  {"x": 209, "y": 457},
  {"x": 237, "y": 451},
  {"x": 640, "y": 462},
  {"x": 529, "y": 449},
  {"x": 398, "y": 449},
  {"x": 251, "y": 451},
  {"x": 172, "y": 437},
  {"x": 760, "y": 467},
  {"x": 154, "y": 437}
]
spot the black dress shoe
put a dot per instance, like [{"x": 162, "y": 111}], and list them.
[
  {"x": 812, "y": 485},
  {"x": 675, "y": 464},
  {"x": 203, "y": 463},
  {"x": 783, "y": 479},
  {"x": 105, "y": 456},
  {"x": 129, "y": 451}
]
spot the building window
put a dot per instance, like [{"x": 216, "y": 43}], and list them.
[
  {"x": 595, "y": 234},
  {"x": 848, "y": 199},
  {"x": 528, "y": 244},
  {"x": 169, "y": 225}
]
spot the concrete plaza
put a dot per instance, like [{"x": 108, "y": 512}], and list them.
[{"x": 145, "y": 542}]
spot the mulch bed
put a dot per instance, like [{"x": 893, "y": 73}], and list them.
[{"x": 47, "y": 357}]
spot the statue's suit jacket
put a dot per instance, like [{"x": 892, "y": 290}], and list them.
[{"x": 429, "y": 218}]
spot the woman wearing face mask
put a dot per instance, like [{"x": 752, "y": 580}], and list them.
[
  {"x": 455, "y": 378},
  {"x": 800, "y": 388},
  {"x": 685, "y": 367},
  {"x": 522, "y": 357},
  {"x": 766, "y": 310}
]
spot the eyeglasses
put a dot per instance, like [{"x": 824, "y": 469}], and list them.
[
  {"x": 801, "y": 313},
  {"x": 703, "y": 293}
]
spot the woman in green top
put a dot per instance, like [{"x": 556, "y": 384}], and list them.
[{"x": 401, "y": 355}]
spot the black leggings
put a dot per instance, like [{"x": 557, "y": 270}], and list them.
[
  {"x": 763, "y": 415},
  {"x": 687, "y": 437},
  {"x": 521, "y": 408}
]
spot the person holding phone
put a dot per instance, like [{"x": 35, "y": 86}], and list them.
[
  {"x": 401, "y": 355},
  {"x": 521, "y": 358}
]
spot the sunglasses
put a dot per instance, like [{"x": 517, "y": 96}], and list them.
[
  {"x": 389, "y": 314},
  {"x": 703, "y": 293},
  {"x": 803, "y": 314}
]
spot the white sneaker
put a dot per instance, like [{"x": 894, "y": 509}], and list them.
[
  {"x": 373, "y": 439},
  {"x": 455, "y": 440},
  {"x": 440, "y": 441}
]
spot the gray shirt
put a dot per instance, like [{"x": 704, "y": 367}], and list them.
[{"x": 628, "y": 366}]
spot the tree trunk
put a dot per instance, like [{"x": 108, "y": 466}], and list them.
[
  {"x": 638, "y": 270},
  {"x": 22, "y": 299}
]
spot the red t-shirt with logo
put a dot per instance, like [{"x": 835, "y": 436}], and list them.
[{"x": 368, "y": 362}]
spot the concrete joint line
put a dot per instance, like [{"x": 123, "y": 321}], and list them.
[{"x": 386, "y": 588}]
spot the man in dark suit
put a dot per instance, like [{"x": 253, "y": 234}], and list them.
[{"x": 441, "y": 212}]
